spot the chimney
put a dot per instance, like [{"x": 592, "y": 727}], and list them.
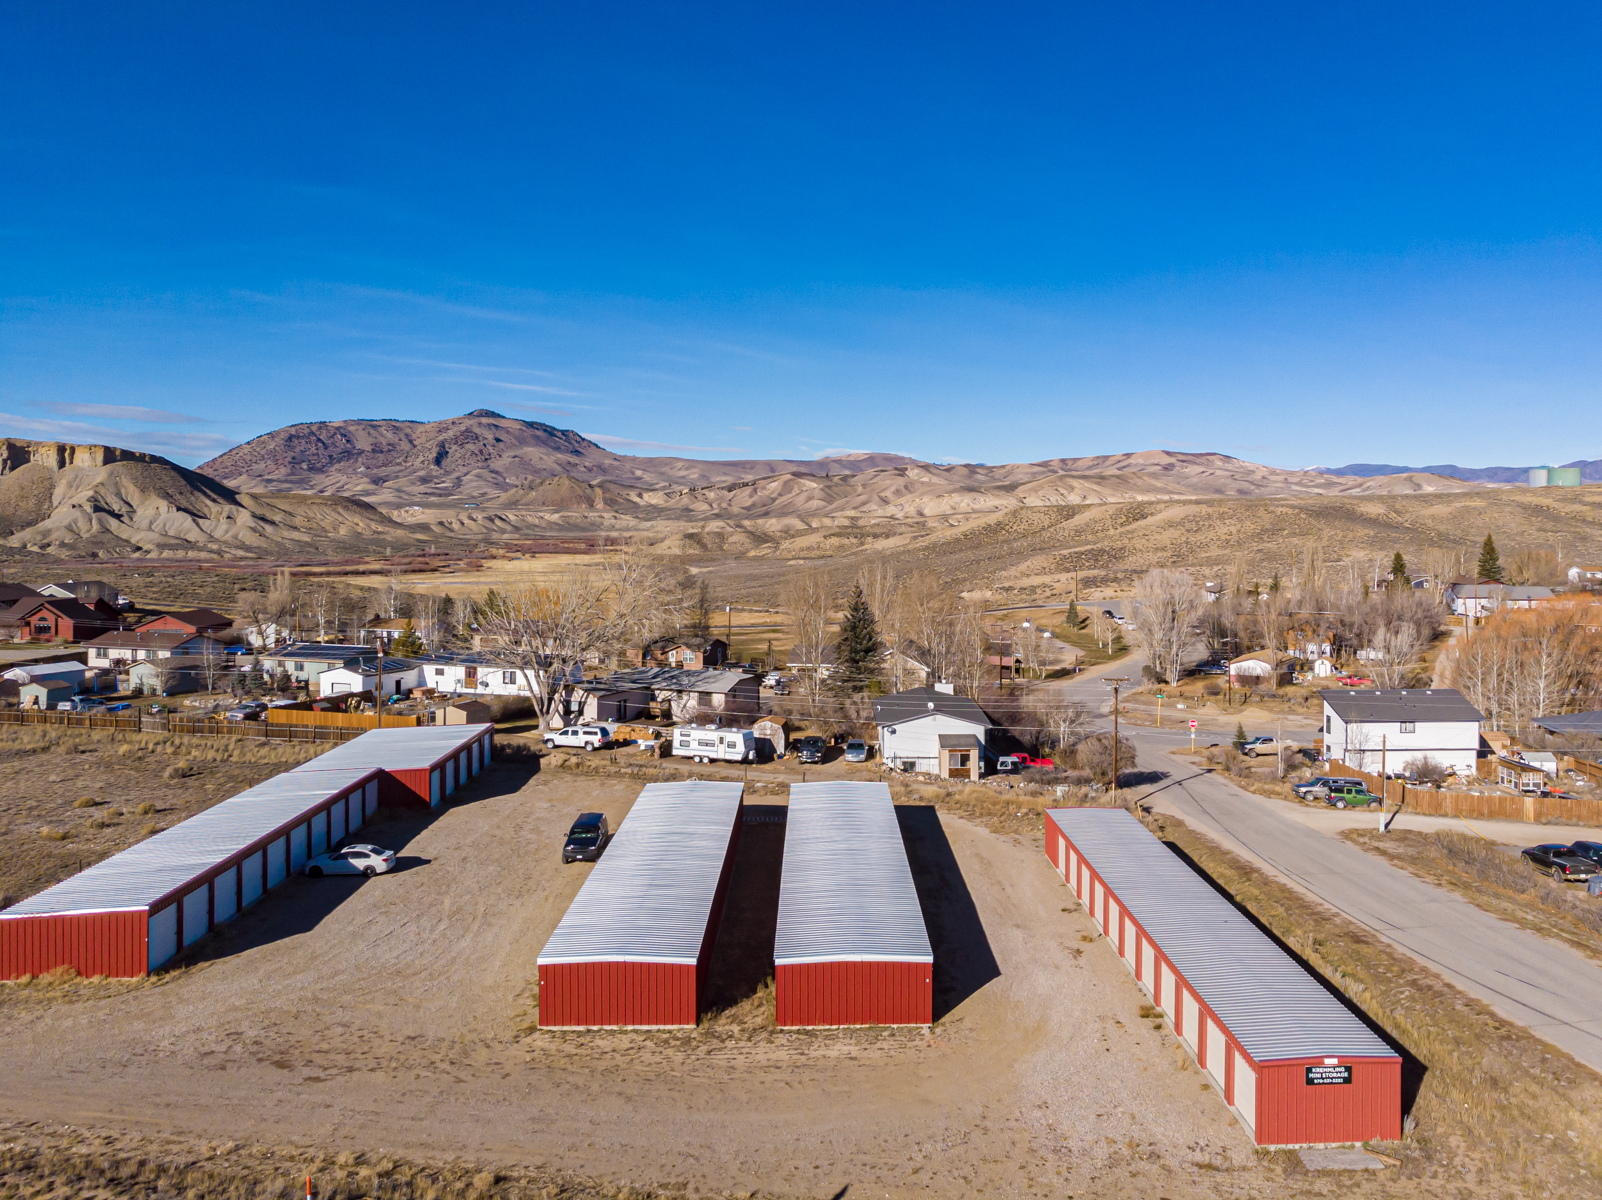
[{"x": 948, "y": 689}]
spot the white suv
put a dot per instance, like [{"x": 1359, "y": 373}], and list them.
[{"x": 588, "y": 737}]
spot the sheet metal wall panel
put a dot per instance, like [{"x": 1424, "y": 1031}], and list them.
[
  {"x": 833, "y": 994},
  {"x": 277, "y": 861},
  {"x": 1290, "y": 1113},
  {"x": 225, "y": 896},
  {"x": 195, "y": 914},
  {"x": 297, "y": 848},
  {"x": 110, "y": 943},
  {"x": 617, "y": 994},
  {"x": 163, "y": 935},
  {"x": 250, "y": 878},
  {"x": 1245, "y": 1090}
]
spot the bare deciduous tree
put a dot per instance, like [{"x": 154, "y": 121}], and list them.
[
  {"x": 1168, "y": 609},
  {"x": 807, "y": 598},
  {"x": 1067, "y": 723}
]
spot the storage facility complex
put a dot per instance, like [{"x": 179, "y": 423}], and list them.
[
  {"x": 1293, "y": 1063},
  {"x": 421, "y": 765},
  {"x": 134, "y": 911},
  {"x": 851, "y": 947},
  {"x": 635, "y": 946}
]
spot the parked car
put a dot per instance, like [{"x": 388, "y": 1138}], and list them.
[
  {"x": 587, "y": 839},
  {"x": 781, "y": 688},
  {"x": 809, "y": 749},
  {"x": 80, "y": 704},
  {"x": 856, "y": 751},
  {"x": 1354, "y": 681},
  {"x": 1212, "y": 668},
  {"x": 772, "y": 679},
  {"x": 1558, "y": 860},
  {"x": 1008, "y": 764},
  {"x": 1318, "y": 787},
  {"x": 1588, "y": 850},
  {"x": 586, "y": 737},
  {"x": 1029, "y": 760},
  {"x": 358, "y": 859},
  {"x": 120, "y": 706},
  {"x": 1259, "y": 745},
  {"x": 1348, "y": 795},
  {"x": 244, "y": 713}
]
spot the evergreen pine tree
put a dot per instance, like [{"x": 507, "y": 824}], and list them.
[
  {"x": 1072, "y": 619},
  {"x": 408, "y": 645},
  {"x": 1240, "y": 734},
  {"x": 857, "y": 652},
  {"x": 1490, "y": 564},
  {"x": 1399, "y": 569},
  {"x": 1273, "y": 585}
]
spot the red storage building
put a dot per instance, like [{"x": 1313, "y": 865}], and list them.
[
  {"x": 851, "y": 947},
  {"x": 132, "y": 912},
  {"x": 422, "y": 765},
  {"x": 634, "y": 947},
  {"x": 1294, "y": 1064}
]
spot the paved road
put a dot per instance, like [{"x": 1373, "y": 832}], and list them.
[{"x": 1546, "y": 987}]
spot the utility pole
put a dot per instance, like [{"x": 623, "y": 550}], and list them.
[
  {"x": 1116, "y": 681},
  {"x": 1385, "y": 790}
]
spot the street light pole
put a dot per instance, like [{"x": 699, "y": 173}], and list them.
[{"x": 1116, "y": 681}]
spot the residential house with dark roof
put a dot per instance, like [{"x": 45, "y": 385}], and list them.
[
  {"x": 189, "y": 620},
  {"x": 690, "y": 653},
  {"x": 46, "y": 617},
  {"x": 689, "y": 695},
  {"x": 123, "y": 647},
  {"x": 1363, "y": 727},
  {"x": 932, "y": 729}
]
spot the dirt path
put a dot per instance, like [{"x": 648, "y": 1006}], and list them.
[{"x": 393, "y": 1015}]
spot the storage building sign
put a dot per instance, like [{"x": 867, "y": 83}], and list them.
[{"x": 1321, "y": 1074}]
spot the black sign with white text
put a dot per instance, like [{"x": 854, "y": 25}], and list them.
[{"x": 1320, "y": 1075}]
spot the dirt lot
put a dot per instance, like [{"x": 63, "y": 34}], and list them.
[
  {"x": 69, "y": 798},
  {"x": 395, "y": 1016}
]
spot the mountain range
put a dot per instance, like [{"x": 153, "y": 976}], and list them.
[{"x": 1590, "y": 471}]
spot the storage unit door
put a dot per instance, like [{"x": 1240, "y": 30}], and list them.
[
  {"x": 489, "y": 750},
  {"x": 1217, "y": 1048},
  {"x": 336, "y": 822},
  {"x": 225, "y": 895},
  {"x": 1148, "y": 966},
  {"x": 277, "y": 861},
  {"x": 163, "y": 935},
  {"x": 450, "y": 777},
  {"x": 1245, "y": 1089},
  {"x": 319, "y": 833},
  {"x": 1188, "y": 1016},
  {"x": 353, "y": 811},
  {"x": 372, "y": 797},
  {"x": 297, "y": 848},
  {"x": 250, "y": 879},
  {"x": 1095, "y": 904},
  {"x": 197, "y": 915}
]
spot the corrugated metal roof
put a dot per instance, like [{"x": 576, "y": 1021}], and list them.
[
  {"x": 143, "y": 874},
  {"x": 407, "y": 748},
  {"x": 650, "y": 896},
  {"x": 846, "y": 894},
  {"x": 1274, "y": 1008}
]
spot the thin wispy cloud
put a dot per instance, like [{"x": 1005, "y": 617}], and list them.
[
  {"x": 184, "y": 444},
  {"x": 535, "y": 408},
  {"x": 521, "y": 387},
  {"x": 121, "y": 412},
  {"x": 607, "y": 439}
]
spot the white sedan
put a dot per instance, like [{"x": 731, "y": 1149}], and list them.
[{"x": 352, "y": 860}]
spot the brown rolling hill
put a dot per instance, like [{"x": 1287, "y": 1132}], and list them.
[{"x": 64, "y": 499}]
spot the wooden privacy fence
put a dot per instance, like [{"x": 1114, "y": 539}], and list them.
[
  {"x": 148, "y": 723},
  {"x": 360, "y": 722},
  {"x": 1494, "y": 807}
]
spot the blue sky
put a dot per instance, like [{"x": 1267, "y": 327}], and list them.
[{"x": 985, "y": 233}]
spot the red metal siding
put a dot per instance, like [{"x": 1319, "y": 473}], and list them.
[
  {"x": 854, "y": 993},
  {"x": 406, "y": 788},
  {"x": 617, "y": 993},
  {"x": 110, "y": 943},
  {"x": 1289, "y": 1113}
]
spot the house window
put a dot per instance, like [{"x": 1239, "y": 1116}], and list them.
[
  {"x": 508, "y": 676},
  {"x": 1409, "y": 727},
  {"x": 439, "y": 671},
  {"x": 1326, "y": 726},
  {"x": 959, "y": 758},
  {"x": 299, "y": 667}
]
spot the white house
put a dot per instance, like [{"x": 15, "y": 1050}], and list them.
[
  {"x": 1262, "y": 668},
  {"x": 1362, "y": 726},
  {"x": 135, "y": 645},
  {"x": 386, "y": 676},
  {"x": 930, "y": 729},
  {"x": 305, "y": 661},
  {"x": 1474, "y": 599},
  {"x": 68, "y": 672}
]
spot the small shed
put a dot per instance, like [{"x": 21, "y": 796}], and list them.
[
  {"x": 770, "y": 737},
  {"x": 850, "y": 946},
  {"x": 43, "y": 693},
  {"x": 961, "y": 756},
  {"x": 1262, "y": 669},
  {"x": 1323, "y": 668},
  {"x": 469, "y": 712}
]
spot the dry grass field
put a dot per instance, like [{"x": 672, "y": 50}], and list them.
[{"x": 71, "y": 797}]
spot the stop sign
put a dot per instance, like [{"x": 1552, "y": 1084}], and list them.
[{"x": 1193, "y": 724}]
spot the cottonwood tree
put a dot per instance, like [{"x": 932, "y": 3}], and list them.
[
  {"x": 1168, "y": 609},
  {"x": 807, "y": 598},
  {"x": 1067, "y": 723},
  {"x": 547, "y": 632}
]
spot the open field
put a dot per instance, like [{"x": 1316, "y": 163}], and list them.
[{"x": 70, "y": 797}]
